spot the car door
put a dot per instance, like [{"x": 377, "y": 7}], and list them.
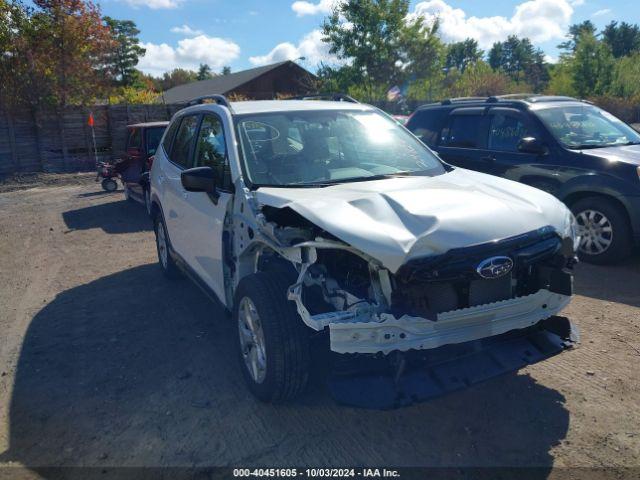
[
  {"x": 507, "y": 127},
  {"x": 206, "y": 212},
  {"x": 463, "y": 140},
  {"x": 174, "y": 203}
]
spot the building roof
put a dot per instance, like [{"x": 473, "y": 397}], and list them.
[{"x": 221, "y": 84}]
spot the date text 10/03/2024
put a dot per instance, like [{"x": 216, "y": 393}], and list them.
[{"x": 316, "y": 472}]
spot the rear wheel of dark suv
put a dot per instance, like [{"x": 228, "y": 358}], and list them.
[{"x": 604, "y": 230}]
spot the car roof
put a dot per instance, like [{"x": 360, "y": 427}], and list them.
[
  {"x": 148, "y": 124},
  {"x": 527, "y": 100},
  {"x": 266, "y": 106}
]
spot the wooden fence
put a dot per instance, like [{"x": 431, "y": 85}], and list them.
[{"x": 61, "y": 141}]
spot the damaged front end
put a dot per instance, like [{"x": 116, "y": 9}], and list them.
[{"x": 437, "y": 323}]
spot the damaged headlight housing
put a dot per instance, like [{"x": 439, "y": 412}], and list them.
[{"x": 571, "y": 229}]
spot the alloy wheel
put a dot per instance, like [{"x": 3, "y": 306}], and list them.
[
  {"x": 595, "y": 230},
  {"x": 252, "y": 342},
  {"x": 162, "y": 245}
]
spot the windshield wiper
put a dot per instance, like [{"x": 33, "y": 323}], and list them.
[
  {"x": 591, "y": 146},
  {"x": 382, "y": 176}
]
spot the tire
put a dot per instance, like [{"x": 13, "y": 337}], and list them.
[
  {"x": 285, "y": 338},
  {"x": 109, "y": 185},
  {"x": 163, "y": 247},
  {"x": 147, "y": 201},
  {"x": 601, "y": 222}
]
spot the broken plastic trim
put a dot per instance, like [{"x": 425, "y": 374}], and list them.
[{"x": 449, "y": 368}]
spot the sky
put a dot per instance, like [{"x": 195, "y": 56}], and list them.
[{"x": 249, "y": 33}]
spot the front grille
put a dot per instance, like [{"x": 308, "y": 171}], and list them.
[{"x": 431, "y": 285}]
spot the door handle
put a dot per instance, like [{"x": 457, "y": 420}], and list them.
[{"x": 488, "y": 158}]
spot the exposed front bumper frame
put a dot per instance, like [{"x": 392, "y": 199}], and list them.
[{"x": 389, "y": 333}]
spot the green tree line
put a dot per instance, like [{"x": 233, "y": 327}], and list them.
[
  {"x": 61, "y": 52},
  {"x": 382, "y": 46}
]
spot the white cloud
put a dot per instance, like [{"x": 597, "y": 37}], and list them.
[
  {"x": 311, "y": 47},
  {"x": 155, "y": 4},
  {"x": 601, "y": 13},
  {"x": 187, "y": 30},
  {"x": 189, "y": 54},
  {"x": 576, "y": 3},
  {"x": 309, "y": 8},
  {"x": 539, "y": 20}
]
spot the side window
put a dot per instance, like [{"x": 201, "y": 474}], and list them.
[
  {"x": 135, "y": 139},
  {"x": 181, "y": 149},
  {"x": 505, "y": 133},
  {"x": 168, "y": 138},
  {"x": 211, "y": 150},
  {"x": 426, "y": 125},
  {"x": 463, "y": 132}
]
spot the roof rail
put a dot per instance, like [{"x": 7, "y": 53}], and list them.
[
  {"x": 334, "y": 97},
  {"x": 217, "y": 98},
  {"x": 449, "y": 101}
]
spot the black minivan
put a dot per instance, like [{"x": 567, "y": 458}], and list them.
[{"x": 570, "y": 148}]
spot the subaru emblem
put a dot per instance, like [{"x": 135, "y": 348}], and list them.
[{"x": 494, "y": 267}]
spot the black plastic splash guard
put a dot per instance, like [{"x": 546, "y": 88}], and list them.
[{"x": 418, "y": 376}]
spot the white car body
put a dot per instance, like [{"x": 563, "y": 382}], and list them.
[{"x": 387, "y": 223}]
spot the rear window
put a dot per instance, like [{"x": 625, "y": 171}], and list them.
[
  {"x": 427, "y": 124},
  {"x": 153, "y": 139}
]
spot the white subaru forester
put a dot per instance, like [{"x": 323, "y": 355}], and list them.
[{"x": 328, "y": 219}]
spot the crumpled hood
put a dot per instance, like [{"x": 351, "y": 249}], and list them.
[
  {"x": 397, "y": 219},
  {"x": 624, "y": 153}
]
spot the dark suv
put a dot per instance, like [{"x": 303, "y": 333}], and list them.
[{"x": 570, "y": 148}]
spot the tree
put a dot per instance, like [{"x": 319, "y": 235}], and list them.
[
  {"x": 73, "y": 49},
  {"x": 56, "y": 52},
  {"x": 462, "y": 54},
  {"x": 521, "y": 61},
  {"x": 592, "y": 66},
  {"x": 625, "y": 77},
  {"x": 481, "y": 80},
  {"x": 561, "y": 79},
  {"x": 204, "y": 72},
  {"x": 569, "y": 46},
  {"x": 177, "y": 76},
  {"x": 623, "y": 39},
  {"x": 122, "y": 60},
  {"x": 226, "y": 70},
  {"x": 375, "y": 37}
]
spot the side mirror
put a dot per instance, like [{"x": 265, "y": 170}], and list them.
[
  {"x": 532, "y": 145},
  {"x": 199, "y": 179}
]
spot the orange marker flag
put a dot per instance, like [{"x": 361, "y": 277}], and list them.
[{"x": 90, "y": 122}]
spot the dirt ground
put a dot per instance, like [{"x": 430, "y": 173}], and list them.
[{"x": 105, "y": 363}]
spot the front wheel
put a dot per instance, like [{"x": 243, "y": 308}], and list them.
[
  {"x": 605, "y": 234},
  {"x": 109, "y": 185},
  {"x": 273, "y": 340},
  {"x": 167, "y": 264}
]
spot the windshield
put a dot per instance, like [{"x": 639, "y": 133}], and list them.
[
  {"x": 316, "y": 148},
  {"x": 586, "y": 126}
]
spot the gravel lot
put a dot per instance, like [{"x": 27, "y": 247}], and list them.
[{"x": 105, "y": 363}]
